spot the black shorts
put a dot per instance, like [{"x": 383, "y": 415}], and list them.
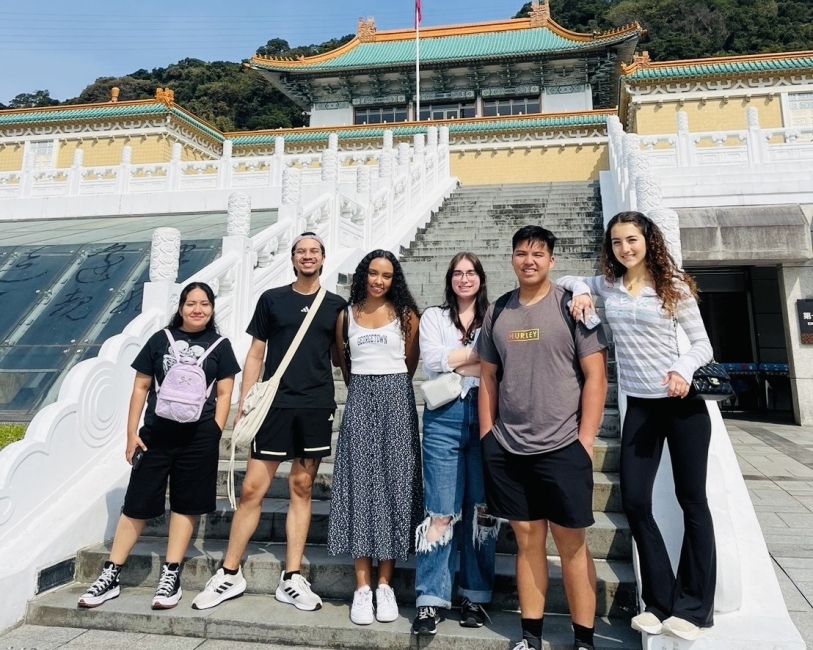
[
  {"x": 556, "y": 486},
  {"x": 187, "y": 460},
  {"x": 288, "y": 433}
]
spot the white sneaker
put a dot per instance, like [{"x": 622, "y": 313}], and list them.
[
  {"x": 647, "y": 622},
  {"x": 361, "y": 612},
  {"x": 681, "y": 628},
  {"x": 297, "y": 592},
  {"x": 221, "y": 586},
  {"x": 386, "y": 607}
]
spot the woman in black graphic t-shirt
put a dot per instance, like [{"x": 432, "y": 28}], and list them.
[{"x": 185, "y": 455}]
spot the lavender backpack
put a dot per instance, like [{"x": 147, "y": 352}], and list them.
[{"x": 184, "y": 392}]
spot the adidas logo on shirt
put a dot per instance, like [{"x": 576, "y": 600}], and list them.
[{"x": 305, "y": 309}]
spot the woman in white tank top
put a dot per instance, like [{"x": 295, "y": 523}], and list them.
[{"x": 377, "y": 497}]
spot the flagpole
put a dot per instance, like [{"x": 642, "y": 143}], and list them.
[{"x": 417, "y": 62}]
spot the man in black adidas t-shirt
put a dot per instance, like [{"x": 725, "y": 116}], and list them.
[{"x": 298, "y": 427}]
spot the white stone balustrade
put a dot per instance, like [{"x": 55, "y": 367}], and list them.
[
  {"x": 61, "y": 487},
  {"x": 748, "y": 601},
  {"x": 750, "y": 166}
]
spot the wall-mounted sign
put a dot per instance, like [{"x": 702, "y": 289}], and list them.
[
  {"x": 805, "y": 310},
  {"x": 567, "y": 89},
  {"x": 366, "y": 100},
  {"x": 451, "y": 94},
  {"x": 527, "y": 89},
  {"x": 330, "y": 106}
]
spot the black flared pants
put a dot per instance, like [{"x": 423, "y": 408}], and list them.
[{"x": 686, "y": 427}]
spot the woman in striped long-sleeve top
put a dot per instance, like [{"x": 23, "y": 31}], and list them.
[{"x": 645, "y": 294}]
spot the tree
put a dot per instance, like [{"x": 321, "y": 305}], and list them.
[{"x": 33, "y": 100}]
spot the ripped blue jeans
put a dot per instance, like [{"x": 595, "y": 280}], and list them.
[{"x": 456, "y": 519}]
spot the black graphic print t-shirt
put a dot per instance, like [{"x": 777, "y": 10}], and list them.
[{"x": 155, "y": 359}]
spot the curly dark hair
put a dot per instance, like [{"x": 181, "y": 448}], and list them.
[
  {"x": 176, "y": 321},
  {"x": 399, "y": 294},
  {"x": 480, "y": 300},
  {"x": 665, "y": 272}
]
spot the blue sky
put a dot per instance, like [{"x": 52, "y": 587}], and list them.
[{"x": 64, "y": 45}]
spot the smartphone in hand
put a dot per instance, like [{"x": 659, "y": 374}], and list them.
[{"x": 138, "y": 456}]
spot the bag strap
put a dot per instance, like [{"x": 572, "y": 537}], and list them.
[
  {"x": 268, "y": 399},
  {"x": 300, "y": 334},
  {"x": 174, "y": 354},
  {"x": 499, "y": 306}
]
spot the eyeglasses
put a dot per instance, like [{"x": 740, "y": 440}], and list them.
[{"x": 469, "y": 275}]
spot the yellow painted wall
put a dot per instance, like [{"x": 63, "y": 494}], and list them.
[
  {"x": 537, "y": 165},
  {"x": 11, "y": 157},
  {"x": 107, "y": 151},
  {"x": 191, "y": 153},
  {"x": 713, "y": 115}
]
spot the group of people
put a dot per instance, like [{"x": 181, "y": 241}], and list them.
[{"x": 516, "y": 445}]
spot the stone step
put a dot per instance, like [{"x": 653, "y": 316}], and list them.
[
  {"x": 609, "y": 427},
  {"x": 609, "y": 537},
  {"x": 333, "y": 577},
  {"x": 606, "y": 451},
  {"x": 496, "y": 262},
  {"x": 259, "y": 619},
  {"x": 606, "y": 485}
]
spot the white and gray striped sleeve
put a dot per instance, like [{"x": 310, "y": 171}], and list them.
[
  {"x": 578, "y": 285},
  {"x": 699, "y": 352}
]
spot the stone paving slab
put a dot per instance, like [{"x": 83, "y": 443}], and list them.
[
  {"x": 777, "y": 462},
  {"x": 259, "y": 618},
  {"x": 40, "y": 637}
]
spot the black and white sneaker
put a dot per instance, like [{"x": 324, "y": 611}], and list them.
[
  {"x": 106, "y": 587},
  {"x": 472, "y": 614},
  {"x": 168, "y": 593},
  {"x": 221, "y": 586},
  {"x": 426, "y": 621}
]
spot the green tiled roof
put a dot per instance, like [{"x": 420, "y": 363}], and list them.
[
  {"x": 77, "y": 114},
  {"x": 461, "y": 128},
  {"x": 700, "y": 69},
  {"x": 111, "y": 111},
  {"x": 454, "y": 48}
]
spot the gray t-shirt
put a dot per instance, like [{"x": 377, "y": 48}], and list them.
[{"x": 540, "y": 392}]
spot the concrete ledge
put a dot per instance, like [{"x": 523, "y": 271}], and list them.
[{"x": 745, "y": 235}]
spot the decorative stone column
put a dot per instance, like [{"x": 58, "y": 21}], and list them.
[
  {"x": 239, "y": 214},
  {"x": 363, "y": 179},
  {"x": 290, "y": 185},
  {"x": 165, "y": 252}
]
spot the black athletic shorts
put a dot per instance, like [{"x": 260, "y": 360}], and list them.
[
  {"x": 556, "y": 486},
  {"x": 288, "y": 433},
  {"x": 185, "y": 458}
]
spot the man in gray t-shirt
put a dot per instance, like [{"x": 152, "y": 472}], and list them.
[{"x": 537, "y": 427}]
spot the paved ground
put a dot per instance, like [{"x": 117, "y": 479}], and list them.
[{"x": 776, "y": 461}]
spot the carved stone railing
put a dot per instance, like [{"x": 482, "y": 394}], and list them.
[
  {"x": 748, "y": 604},
  {"x": 751, "y": 166},
  {"x": 61, "y": 487}
]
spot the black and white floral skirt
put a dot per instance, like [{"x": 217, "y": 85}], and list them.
[{"x": 377, "y": 496}]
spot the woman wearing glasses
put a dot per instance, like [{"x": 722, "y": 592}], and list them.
[{"x": 452, "y": 468}]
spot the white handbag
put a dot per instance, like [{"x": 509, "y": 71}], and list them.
[
  {"x": 442, "y": 389},
  {"x": 260, "y": 396}
]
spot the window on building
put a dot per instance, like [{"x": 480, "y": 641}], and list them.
[
  {"x": 380, "y": 115},
  {"x": 39, "y": 154},
  {"x": 800, "y": 109},
  {"x": 511, "y": 106},
  {"x": 452, "y": 111}
]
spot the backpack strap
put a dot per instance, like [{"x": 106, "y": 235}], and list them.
[
  {"x": 499, "y": 306},
  {"x": 202, "y": 358},
  {"x": 174, "y": 354}
]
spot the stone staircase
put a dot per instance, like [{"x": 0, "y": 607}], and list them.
[{"x": 479, "y": 219}]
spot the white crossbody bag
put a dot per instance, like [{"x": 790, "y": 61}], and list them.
[{"x": 257, "y": 402}]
